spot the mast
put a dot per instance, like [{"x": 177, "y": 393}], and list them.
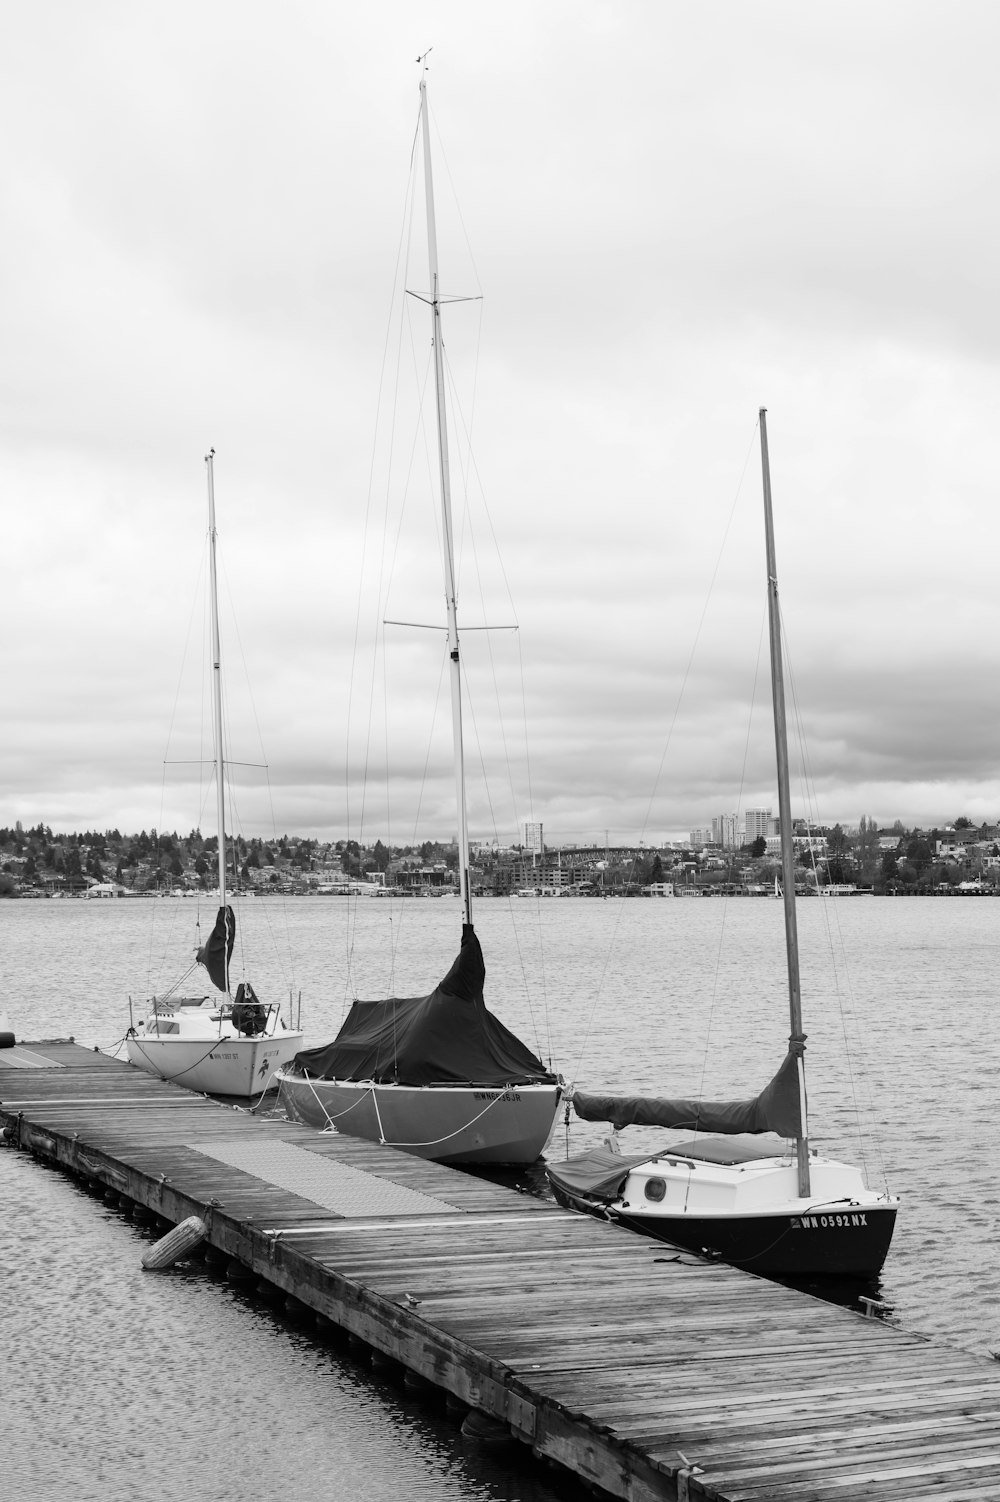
[
  {"x": 220, "y": 791},
  {"x": 797, "y": 1040},
  {"x": 449, "y": 551}
]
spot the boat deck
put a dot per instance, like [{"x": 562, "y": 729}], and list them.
[{"x": 649, "y": 1374}]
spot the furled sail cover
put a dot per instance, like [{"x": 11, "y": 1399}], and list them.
[
  {"x": 447, "y": 1037},
  {"x": 216, "y": 953},
  {"x": 775, "y": 1109}
]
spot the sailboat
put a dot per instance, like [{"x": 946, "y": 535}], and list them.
[
  {"x": 233, "y": 1043},
  {"x": 437, "y": 1075},
  {"x": 747, "y": 1188}
]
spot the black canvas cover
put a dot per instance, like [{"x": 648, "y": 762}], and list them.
[
  {"x": 448, "y": 1037},
  {"x": 216, "y": 953},
  {"x": 731, "y": 1150},
  {"x": 775, "y": 1109},
  {"x": 599, "y": 1174}
]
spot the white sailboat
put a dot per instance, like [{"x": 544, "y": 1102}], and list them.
[
  {"x": 233, "y": 1043},
  {"x": 437, "y": 1076},
  {"x": 753, "y": 1193}
]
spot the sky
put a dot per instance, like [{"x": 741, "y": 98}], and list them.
[{"x": 663, "y": 217}]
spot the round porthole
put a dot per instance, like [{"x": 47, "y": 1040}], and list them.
[{"x": 656, "y": 1189}]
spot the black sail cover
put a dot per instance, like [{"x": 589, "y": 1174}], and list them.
[
  {"x": 775, "y": 1109},
  {"x": 448, "y": 1037},
  {"x": 217, "y": 951}
]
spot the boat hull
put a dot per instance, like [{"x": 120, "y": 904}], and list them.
[
  {"x": 836, "y": 1243},
  {"x": 446, "y": 1124},
  {"x": 237, "y": 1066},
  {"x": 846, "y": 1235}
]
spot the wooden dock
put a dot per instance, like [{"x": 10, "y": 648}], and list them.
[{"x": 649, "y": 1374}]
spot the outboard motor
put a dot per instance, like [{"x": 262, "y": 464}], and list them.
[{"x": 249, "y": 1014}]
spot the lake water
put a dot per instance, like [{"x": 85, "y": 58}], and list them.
[{"x": 119, "y": 1384}]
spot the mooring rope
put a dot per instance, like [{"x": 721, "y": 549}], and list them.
[{"x": 332, "y": 1119}]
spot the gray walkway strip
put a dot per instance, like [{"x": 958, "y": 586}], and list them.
[{"x": 335, "y": 1186}]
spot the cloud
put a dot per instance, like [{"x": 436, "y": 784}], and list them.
[{"x": 674, "y": 216}]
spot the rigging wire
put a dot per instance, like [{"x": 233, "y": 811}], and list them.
[
  {"x": 166, "y": 931},
  {"x": 599, "y": 990},
  {"x": 402, "y": 256},
  {"x": 716, "y": 978},
  {"x": 285, "y": 951},
  {"x": 849, "y": 1012},
  {"x": 406, "y": 337}
]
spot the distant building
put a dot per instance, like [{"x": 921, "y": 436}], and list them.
[
  {"x": 757, "y": 824},
  {"x": 725, "y": 831},
  {"x": 814, "y": 842}
]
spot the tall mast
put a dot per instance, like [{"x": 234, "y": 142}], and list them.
[
  {"x": 449, "y": 551},
  {"x": 220, "y": 789},
  {"x": 797, "y": 1040}
]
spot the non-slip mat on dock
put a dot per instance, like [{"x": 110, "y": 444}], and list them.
[
  {"x": 335, "y": 1186},
  {"x": 20, "y": 1057}
]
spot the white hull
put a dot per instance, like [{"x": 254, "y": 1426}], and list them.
[
  {"x": 446, "y": 1123},
  {"x": 207, "y": 1054}
]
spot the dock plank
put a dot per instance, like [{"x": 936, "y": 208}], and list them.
[{"x": 650, "y": 1373}]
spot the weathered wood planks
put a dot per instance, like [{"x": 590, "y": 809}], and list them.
[{"x": 649, "y": 1373}]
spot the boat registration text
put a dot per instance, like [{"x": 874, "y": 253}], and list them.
[{"x": 822, "y": 1222}]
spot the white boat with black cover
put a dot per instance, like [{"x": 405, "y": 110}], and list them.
[
  {"x": 747, "y": 1187},
  {"x": 436, "y": 1075},
  {"x": 230, "y": 1043}
]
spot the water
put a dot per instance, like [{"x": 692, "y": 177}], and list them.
[{"x": 122, "y": 1384}]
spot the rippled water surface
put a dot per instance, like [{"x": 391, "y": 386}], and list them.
[{"x": 180, "y": 1386}]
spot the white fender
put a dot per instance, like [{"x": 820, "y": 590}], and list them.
[{"x": 165, "y": 1252}]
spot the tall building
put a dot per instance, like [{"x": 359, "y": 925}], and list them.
[
  {"x": 533, "y": 838},
  {"x": 757, "y": 823},
  {"x": 725, "y": 831}
]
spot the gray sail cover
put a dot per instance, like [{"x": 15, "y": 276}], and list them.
[
  {"x": 775, "y": 1109},
  {"x": 448, "y": 1037}
]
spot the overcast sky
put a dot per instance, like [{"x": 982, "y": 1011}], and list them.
[{"x": 673, "y": 214}]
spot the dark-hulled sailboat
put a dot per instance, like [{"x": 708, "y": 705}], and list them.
[{"x": 746, "y": 1187}]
